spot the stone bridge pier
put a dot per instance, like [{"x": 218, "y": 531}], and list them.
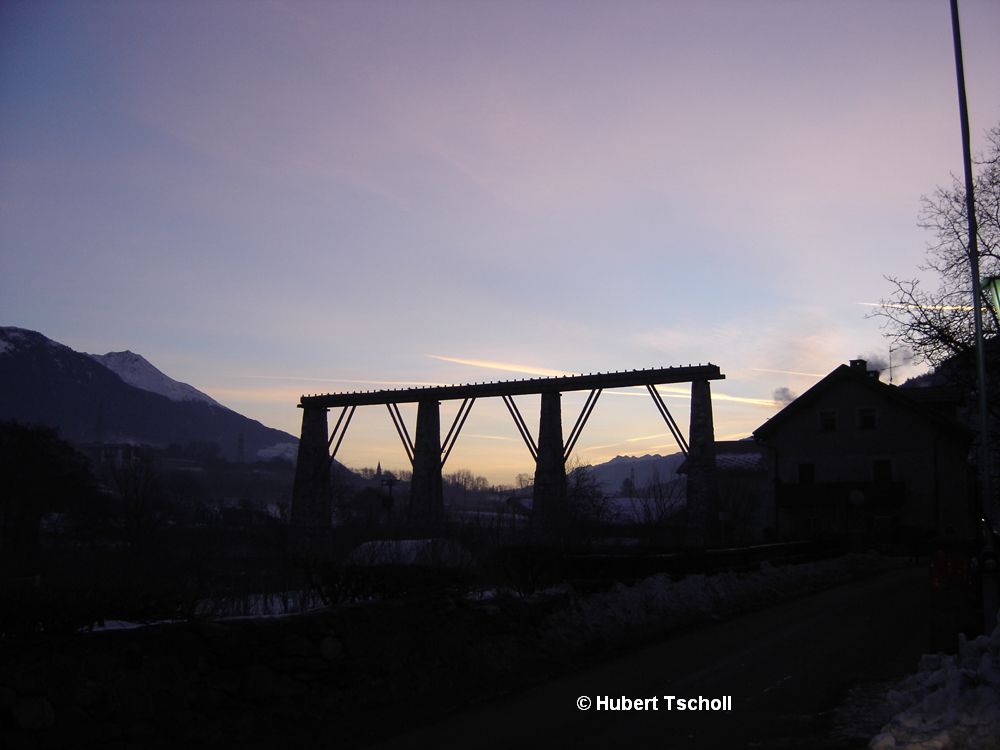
[
  {"x": 702, "y": 518},
  {"x": 426, "y": 487},
  {"x": 550, "y": 512},
  {"x": 311, "y": 490}
]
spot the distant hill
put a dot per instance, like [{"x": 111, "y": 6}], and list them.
[
  {"x": 641, "y": 469},
  {"x": 119, "y": 397}
]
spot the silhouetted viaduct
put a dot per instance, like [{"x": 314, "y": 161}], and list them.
[{"x": 318, "y": 446}]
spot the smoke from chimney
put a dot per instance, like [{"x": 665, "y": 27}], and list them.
[
  {"x": 877, "y": 362},
  {"x": 784, "y": 395}
]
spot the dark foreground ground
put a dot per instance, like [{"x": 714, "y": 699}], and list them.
[
  {"x": 786, "y": 667},
  {"x": 467, "y": 674}
]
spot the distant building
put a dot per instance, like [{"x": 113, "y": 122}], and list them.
[{"x": 856, "y": 456}]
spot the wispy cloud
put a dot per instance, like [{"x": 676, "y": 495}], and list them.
[
  {"x": 788, "y": 372},
  {"x": 503, "y": 366},
  {"x": 668, "y": 391},
  {"x": 639, "y": 439},
  {"x": 768, "y": 402},
  {"x": 682, "y": 393},
  {"x": 588, "y": 448}
]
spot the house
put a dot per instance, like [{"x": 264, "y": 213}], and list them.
[{"x": 855, "y": 456}]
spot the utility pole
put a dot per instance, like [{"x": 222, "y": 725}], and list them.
[{"x": 988, "y": 559}]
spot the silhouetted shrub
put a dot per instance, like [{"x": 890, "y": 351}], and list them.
[{"x": 527, "y": 569}]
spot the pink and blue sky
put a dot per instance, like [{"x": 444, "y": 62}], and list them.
[{"x": 274, "y": 198}]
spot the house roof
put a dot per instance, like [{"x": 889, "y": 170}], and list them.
[
  {"x": 737, "y": 457},
  {"x": 741, "y": 462},
  {"x": 857, "y": 373}
]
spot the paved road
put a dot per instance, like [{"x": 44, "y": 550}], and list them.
[{"x": 782, "y": 666}]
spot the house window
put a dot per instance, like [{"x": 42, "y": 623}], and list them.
[
  {"x": 807, "y": 473},
  {"x": 866, "y": 419},
  {"x": 882, "y": 470},
  {"x": 827, "y": 421}
]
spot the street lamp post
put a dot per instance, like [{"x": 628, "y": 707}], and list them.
[{"x": 988, "y": 570}]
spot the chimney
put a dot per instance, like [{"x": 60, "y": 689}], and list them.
[{"x": 859, "y": 364}]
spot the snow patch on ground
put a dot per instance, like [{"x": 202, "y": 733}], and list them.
[
  {"x": 951, "y": 702},
  {"x": 426, "y": 552},
  {"x": 275, "y": 604},
  {"x": 108, "y": 625},
  {"x": 222, "y": 608}
]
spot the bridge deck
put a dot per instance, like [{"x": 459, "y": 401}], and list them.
[{"x": 625, "y": 379}]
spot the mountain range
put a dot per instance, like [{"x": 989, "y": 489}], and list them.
[
  {"x": 642, "y": 470},
  {"x": 119, "y": 397}
]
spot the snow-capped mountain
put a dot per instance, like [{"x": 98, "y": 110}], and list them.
[
  {"x": 136, "y": 370},
  {"x": 47, "y": 383}
]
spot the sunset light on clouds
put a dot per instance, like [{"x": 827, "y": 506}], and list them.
[
  {"x": 272, "y": 199},
  {"x": 502, "y": 366}
]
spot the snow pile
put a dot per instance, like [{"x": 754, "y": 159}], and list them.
[
  {"x": 951, "y": 702},
  {"x": 658, "y": 603}
]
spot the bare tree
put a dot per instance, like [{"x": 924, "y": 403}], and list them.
[
  {"x": 658, "y": 501},
  {"x": 586, "y": 499},
  {"x": 136, "y": 481},
  {"x": 937, "y": 324}
]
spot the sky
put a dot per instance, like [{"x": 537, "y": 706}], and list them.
[{"x": 273, "y": 198}]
